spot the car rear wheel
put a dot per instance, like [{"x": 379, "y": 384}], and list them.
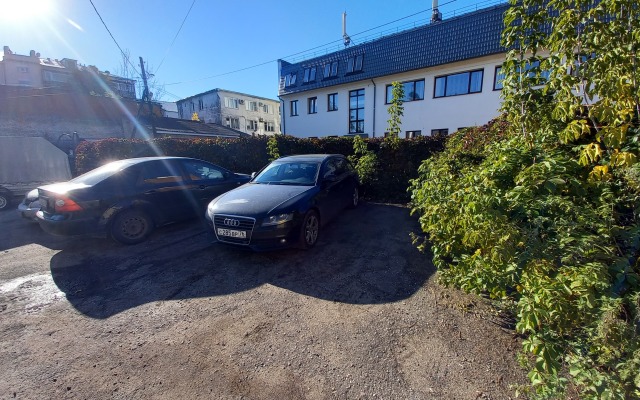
[
  {"x": 131, "y": 227},
  {"x": 310, "y": 230},
  {"x": 355, "y": 198},
  {"x": 4, "y": 200}
]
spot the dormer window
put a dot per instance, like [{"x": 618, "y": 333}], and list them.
[
  {"x": 309, "y": 74},
  {"x": 290, "y": 79},
  {"x": 330, "y": 69},
  {"x": 354, "y": 64}
]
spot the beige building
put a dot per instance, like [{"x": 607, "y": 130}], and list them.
[
  {"x": 36, "y": 72},
  {"x": 243, "y": 112}
]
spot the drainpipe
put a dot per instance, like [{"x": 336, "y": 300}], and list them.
[
  {"x": 282, "y": 116},
  {"x": 374, "y": 108}
]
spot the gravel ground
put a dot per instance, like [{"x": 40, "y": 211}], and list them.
[{"x": 360, "y": 316}]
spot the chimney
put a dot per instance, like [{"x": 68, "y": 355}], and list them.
[
  {"x": 345, "y": 37},
  {"x": 32, "y": 53},
  {"x": 436, "y": 16}
]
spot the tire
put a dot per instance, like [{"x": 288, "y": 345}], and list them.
[
  {"x": 310, "y": 230},
  {"x": 355, "y": 198},
  {"x": 5, "y": 201},
  {"x": 131, "y": 226}
]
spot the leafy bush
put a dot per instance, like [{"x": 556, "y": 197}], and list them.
[{"x": 521, "y": 221}]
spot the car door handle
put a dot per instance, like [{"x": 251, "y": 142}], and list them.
[{"x": 202, "y": 187}]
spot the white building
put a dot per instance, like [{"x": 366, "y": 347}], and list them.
[
  {"x": 450, "y": 70},
  {"x": 243, "y": 112}
]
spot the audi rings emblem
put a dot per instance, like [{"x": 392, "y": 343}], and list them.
[{"x": 231, "y": 222}]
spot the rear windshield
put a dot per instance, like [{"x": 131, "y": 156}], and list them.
[
  {"x": 101, "y": 173},
  {"x": 289, "y": 173}
]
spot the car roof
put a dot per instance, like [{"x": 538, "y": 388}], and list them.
[
  {"x": 142, "y": 159},
  {"x": 308, "y": 157},
  {"x": 137, "y": 160}
]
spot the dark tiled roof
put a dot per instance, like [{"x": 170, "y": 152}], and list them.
[
  {"x": 461, "y": 38},
  {"x": 184, "y": 127}
]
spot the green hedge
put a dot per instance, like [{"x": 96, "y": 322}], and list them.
[{"x": 397, "y": 165}]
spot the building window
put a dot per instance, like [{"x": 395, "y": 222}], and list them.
[
  {"x": 498, "y": 77},
  {"x": 51, "y": 76},
  {"x": 332, "y": 102},
  {"x": 313, "y": 105},
  {"x": 294, "y": 108},
  {"x": 269, "y": 127},
  {"x": 435, "y": 132},
  {"x": 252, "y": 125},
  {"x": 413, "y": 134},
  {"x": 290, "y": 79},
  {"x": 581, "y": 64},
  {"x": 233, "y": 122},
  {"x": 534, "y": 71},
  {"x": 200, "y": 104},
  {"x": 413, "y": 90},
  {"x": 331, "y": 69},
  {"x": 230, "y": 102},
  {"x": 309, "y": 74},
  {"x": 457, "y": 84},
  {"x": 356, "y": 111},
  {"x": 252, "y": 106},
  {"x": 267, "y": 108},
  {"x": 23, "y": 70},
  {"x": 354, "y": 64}
]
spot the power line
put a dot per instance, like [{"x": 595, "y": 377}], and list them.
[
  {"x": 175, "y": 37},
  {"x": 304, "y": 51},
  {"x": 114, "y": 39}
]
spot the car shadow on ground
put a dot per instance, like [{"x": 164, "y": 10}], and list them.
[{"x": 363, "y": 257}]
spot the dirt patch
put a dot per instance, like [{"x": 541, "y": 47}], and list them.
[{"x": 358, "y": 316}]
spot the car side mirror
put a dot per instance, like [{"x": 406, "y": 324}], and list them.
[{"x": 253, "y": 175}]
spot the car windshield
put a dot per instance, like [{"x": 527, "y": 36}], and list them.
[
  {"x": 101, "y": 173},
  {"x": 289, "y": 173}
]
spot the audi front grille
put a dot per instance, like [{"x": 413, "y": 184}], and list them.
[{"x": 233, "y": 223}]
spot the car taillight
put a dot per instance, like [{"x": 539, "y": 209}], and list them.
[{"x": 64, "y": 204}]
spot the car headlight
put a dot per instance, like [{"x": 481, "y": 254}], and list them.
[
  {"x": 277, "y": 219},
  {"x": 32, "y": 195}
]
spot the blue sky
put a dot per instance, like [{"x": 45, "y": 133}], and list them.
[{"x": 231, "y": 45}]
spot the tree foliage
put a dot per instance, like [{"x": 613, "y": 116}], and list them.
[
  {"x": 396, "y": 112},
  {"x": 541, "y": 210},
  {"x": 590, "y": 51}
]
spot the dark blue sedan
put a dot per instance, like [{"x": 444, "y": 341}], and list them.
[
  {"x": 286, "y": 203},
  {"x": 127, "y": 199}
]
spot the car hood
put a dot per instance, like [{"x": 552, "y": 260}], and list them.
[{"x": 254, "y": 199}]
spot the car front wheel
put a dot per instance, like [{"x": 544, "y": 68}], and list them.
[
  {"x": 131, "y": 227},
  {"x": 310, "y": 230}
]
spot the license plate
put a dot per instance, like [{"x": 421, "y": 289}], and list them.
[{"x": 232, "y": 233}]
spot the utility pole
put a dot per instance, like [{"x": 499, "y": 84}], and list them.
[{"x": 145, "y": 94}]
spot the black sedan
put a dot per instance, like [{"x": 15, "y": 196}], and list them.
[
  {"x": 286, "y": 203},
  {"x": 127, "y": 199}
]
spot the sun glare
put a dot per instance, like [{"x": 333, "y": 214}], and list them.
[{"x": 21, "y": 11}]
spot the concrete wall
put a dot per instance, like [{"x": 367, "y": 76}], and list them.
[
  {"x": 87, "y": 129},
  {"x": 31, "y": 160},
  {"x": 449, "y": 113}
]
